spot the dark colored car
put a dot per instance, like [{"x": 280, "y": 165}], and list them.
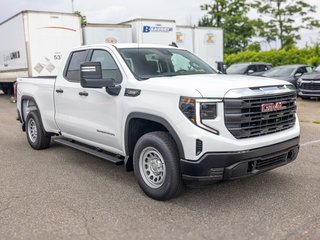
[
  {"x": 309, "y": 85},
  {"x": 290, "y": 73},
  {"x": 254, "y": 68}
]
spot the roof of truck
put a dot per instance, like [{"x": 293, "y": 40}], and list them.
[{"x": 126, "y": 45}]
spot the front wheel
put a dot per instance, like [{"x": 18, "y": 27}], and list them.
[
  {"x": 156, "y": 166},
  {"x": 36, "y": 135}
]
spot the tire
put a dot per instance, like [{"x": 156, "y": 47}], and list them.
[
  {"x": 36, "y": 135},
  {"x": 160, "y": 179},
  {"x": 5, "y": 90}
]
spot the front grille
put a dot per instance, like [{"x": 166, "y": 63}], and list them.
[
  {"x": 265, "y": 163},
  {"x": 310, "y": 86},
  {"x": 244, "y": 117}
]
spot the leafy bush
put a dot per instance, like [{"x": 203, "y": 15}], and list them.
[{"x": 290, "y": 55}]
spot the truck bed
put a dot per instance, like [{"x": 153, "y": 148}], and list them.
[{"x": 41, "y": 90}]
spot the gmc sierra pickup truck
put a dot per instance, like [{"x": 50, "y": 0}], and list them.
[{"x": 163, "y": 113}]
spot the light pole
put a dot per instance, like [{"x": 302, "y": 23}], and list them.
[{"x": 72, "y": 7}]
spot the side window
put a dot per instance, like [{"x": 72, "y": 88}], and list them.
[
  {"x": 309, "y": 69},
  {"x": 108, "y": 65},
  {"x": 252, "y": 68},
  {"x": 73, "y": 72},
  {"x": 300, "y": 70},
  {"x": 262, "y": 68}
]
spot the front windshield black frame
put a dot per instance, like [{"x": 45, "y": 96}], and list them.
[{"x": 146, "y": 63}]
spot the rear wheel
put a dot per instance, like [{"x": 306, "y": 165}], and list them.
[
  {"x": 156, "y": 166},
  {"x": 36, "y": 135}
]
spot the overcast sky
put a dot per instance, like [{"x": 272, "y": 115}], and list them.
[{"x": 186, "y": 12}]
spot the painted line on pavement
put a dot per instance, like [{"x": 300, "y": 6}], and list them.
[{"x": 310, "y": 143}]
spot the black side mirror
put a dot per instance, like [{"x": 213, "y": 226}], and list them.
[
  {"x": 91, "y": 76},
  {"x": 297, "y": 75},
  {"x": 250, "y": 71}
]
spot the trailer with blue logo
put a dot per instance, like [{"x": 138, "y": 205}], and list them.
[{"x": 153, "y": 31}]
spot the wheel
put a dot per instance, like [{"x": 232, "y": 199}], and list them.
[
  {"x": 156, "y": 166},
  {"x": 35, "y": 133},
  {"x": 5, "y": 90}
]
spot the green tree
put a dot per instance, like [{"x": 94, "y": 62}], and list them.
[
  {"x": 282, "y": 19},
  {"x": 230, "y": 15},
  {"x": 255, "y": 46},
  {"x": 83, "y": 18}
]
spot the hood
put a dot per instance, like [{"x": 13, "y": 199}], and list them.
[
  {"x": 285, "y": 78},
  {"x": 211, "y": 85},
  {"x": 311, "y": 76}
]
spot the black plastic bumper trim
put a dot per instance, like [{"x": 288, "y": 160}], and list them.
[{"x": 220, "y": 166}]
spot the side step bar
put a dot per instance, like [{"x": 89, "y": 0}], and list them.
[{"x": 90, "y": 150}]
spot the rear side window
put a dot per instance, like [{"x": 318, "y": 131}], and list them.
[
  {"x": 108, "y": 65},
  {"x": 73, "y": 72},
  {"x": 252, "y": 68},
  {"x": 262, "y": 68}
]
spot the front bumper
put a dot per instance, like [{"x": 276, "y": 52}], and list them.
[
  {"x": 220, "y": 166},
  {"x": 309, "y": 93}
]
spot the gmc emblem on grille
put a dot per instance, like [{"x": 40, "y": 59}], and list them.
[{"x": 271, "y": 107}]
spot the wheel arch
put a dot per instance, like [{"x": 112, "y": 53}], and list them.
[
  {"x": 32, "y": 106},
  {"x": 157, "y": 122}
]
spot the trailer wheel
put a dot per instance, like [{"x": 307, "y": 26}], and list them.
[
  {"x": 35, "y": 133},
  {"x": 156, "y": 166}
]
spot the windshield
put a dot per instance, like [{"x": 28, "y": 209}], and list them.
[
  {"x": 279, "y": 72},
  {"x": 237, "y": 69},
  {"x": 159, "y": 62}
]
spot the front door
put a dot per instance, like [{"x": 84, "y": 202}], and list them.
[{"x": 89, "y": 114}]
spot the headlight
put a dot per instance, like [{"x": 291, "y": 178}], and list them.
[
  {"x": 208, "y": 110},
  {"x": 198, "y": 109},
  {"x": 188, "y": 107}
]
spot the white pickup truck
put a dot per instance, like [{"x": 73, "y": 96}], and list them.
[{"x": 164, "y": 113}]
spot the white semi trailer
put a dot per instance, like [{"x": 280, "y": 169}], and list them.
[
  {"x": 153, "y": 31},
  {"x": 95, "y": 33},
  {"x": 206, "y": 42},
  {"x": 33, "y": 43}
]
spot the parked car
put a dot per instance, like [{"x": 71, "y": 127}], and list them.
[
  {"x": 309, "y": 84},
  {"x": 254, "y": 68},
  {"x": 290, "y": 73}
]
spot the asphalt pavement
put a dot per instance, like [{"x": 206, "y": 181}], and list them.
[{"x": 61, "y": 193}]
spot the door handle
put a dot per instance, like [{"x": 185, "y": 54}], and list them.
[
  {"x": 59, "y": 90},
  {"x": 83, "y": 93}
]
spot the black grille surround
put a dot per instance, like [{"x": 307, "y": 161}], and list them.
[
  {"x": 244, "y": 117},
  {"x": 310, "y": 86}
]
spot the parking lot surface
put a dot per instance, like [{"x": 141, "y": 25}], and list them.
[{"x": 61, "y": 193}]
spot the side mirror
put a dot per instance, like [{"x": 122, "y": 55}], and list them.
[
  {"x": 91, "y": 76},
  {"x": 297, "y": 75},
  {"x": 250, "y": 71}
]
